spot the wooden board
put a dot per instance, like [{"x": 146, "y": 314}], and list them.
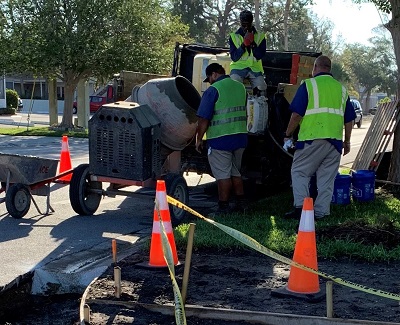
[{"x": 378, "y": 137}]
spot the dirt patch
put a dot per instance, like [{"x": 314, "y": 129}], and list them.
[
  {"x": 240, "y": 281},
  {"x": 383, "y": 233}
]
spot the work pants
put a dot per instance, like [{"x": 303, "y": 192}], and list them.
[{"x": 320, "y": 158}]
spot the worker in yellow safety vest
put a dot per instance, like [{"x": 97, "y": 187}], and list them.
[
  {"x": 320, "y": 107},
  {"x": 247, "y": 47}
]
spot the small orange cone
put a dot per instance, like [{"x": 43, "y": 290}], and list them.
[
  {"x": 304, "y": 284},
  {"x": 65, "y": 161},
  {"x": 156, "y": 251}
]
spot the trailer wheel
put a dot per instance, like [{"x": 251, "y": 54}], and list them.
[
  {"x": 18, "y": 200},
  {"x": 177, "y": 188},
  {"x": 83, "y": 201}
]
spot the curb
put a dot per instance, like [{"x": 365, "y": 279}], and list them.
[{"x": 73, "y": 273}]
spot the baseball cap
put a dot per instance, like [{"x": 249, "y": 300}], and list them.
[
  {"x": 213, "y": 67},
  {"x": 246, "y": 16}
]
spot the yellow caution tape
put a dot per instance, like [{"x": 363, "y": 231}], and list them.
[
  {"x": 180, "y": 317},
  {"x": 250, "y": 242}
]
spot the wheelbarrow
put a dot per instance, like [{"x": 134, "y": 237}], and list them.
[{"x": 21, "y": 177}]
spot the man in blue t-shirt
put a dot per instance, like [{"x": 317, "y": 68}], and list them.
[
  {"x": 222, "y": 118},
  {"x": 321, "y": 107}
]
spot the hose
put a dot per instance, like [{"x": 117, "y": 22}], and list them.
[{"x": 277, "y": 143}]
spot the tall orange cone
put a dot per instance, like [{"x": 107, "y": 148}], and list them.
[
  {"x": 65, "y": 161},
  {"x": 156, "y": 252},
  {"x": 304, "y": 284}
]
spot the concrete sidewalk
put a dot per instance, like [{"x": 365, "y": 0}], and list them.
[{"x": 25, "y": 119}]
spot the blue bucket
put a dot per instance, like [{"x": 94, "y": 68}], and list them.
[
  {"x": 363, "y": 185},
  {"x": 341, "y": 189}
]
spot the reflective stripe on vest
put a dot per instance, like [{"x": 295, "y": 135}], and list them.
[
  {"x": 247, "y": 60},
  {"x": 230, "y": 109},
  {"x": 324, "y": 117}
]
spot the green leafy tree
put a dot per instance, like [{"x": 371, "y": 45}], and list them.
[
  {"x": 366, "y": 68},
  {"x": 384, "y": 52},
  {"x": 302, "y": 30},
  {"x": 392, "y": 7},
  {"x": 77, "y": 39},
  {"x": 191, "y": 14}
]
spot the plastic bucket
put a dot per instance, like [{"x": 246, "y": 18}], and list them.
[
  {"x": 363, "y": 185},
  {"x": 341, "y": 189},
  {"x": 175, "y": 102}
]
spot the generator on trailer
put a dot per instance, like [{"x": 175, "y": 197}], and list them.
[{"x": 136, "y": 143}]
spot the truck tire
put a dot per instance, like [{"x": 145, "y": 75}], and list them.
[
  {"x": 177, "y": 188},
  {"x": 83, "y": 200},
  {"x": 18, "y": 200}
]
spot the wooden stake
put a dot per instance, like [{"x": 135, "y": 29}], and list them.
[
  {"x": 114, "y": 251},
  {"x": 329, "y": 299},
  {"x": 117, "y": 281},
  {"x": 86, "y": 313},
  {"x": 188, "y": 259}
]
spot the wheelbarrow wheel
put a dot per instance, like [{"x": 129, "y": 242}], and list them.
[
  {"x": 177, "y": 188},
  {"x": 83, "y": 200},
  {"x": 18, "y": 200}
]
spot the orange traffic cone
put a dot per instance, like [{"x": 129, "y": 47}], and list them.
[
  {"x": 156, "y": 252},
  {"x": 304, "y": 284},
  {"x": 65, "y": 161}
]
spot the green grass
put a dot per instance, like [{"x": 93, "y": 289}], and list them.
[
  {"x": 357, "y": 231},
  {"x": 42, "y": 131}
]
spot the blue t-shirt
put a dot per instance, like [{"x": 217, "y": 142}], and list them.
[
  {"x": 206, "y": 111},
  {"x": 299, "y": 106}
]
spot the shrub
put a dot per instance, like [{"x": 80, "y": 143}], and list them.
[
  {"x": 384, "y": 100},
  {"x": 7, "y": 111},
  {"x": 11, "y": 98}
]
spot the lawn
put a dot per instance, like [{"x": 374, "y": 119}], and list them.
[
  {"x": 368, "y": 231},
  {"x": 42, "y": 131}
]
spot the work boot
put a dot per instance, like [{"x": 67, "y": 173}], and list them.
[
  {"x": 320, "y": 216},
  {"x": 223, "y": 208},
  {"x": 241, "y": 204},
  {"x": 294, "y": 214}
]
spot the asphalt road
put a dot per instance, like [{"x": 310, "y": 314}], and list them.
[{"x": 71, "y": 249}]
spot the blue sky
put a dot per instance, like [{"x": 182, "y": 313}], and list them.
[{"x": 353, "y": 21}]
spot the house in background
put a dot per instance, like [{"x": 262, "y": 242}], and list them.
[{"x": 34, "y": 92}]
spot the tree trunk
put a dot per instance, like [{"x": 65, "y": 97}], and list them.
[
  {"x": 66, "y": 121},
  {"x": 366, "y": 103},
  {"x": 393, "y": 27},
  {"x": 257, "y": 14},
  {"x": 53, "y": 109},
  {"x": 285, "y": 25}
]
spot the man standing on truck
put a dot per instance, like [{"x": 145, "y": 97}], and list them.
[
  {"x": 321, "y": 106},
  {"x": 222, "y": 117},
  {"x": 247, "y": 48}
]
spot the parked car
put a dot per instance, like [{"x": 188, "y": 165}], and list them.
[
  {"x": 95, "y": 103},
  {"x": 357, "y": 108},
  {"x": 20, "y": 105}
]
